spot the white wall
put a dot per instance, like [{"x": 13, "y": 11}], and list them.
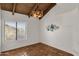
[
  {"x": 32, "y": 31},
  {"x": 66, "y": 38}
]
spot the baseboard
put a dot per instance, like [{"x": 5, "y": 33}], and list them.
[
  {"x": 58, "y": 50},
  {"x": 71, "y": 52},
  {"x": 19, "y": 47},
  {"x": 37, "y": 43}
]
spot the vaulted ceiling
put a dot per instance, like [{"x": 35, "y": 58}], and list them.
[{"x": 27, "y": 8}]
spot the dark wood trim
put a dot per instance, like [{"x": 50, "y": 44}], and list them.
[
  {"x": 0, "y": 5},
  {"x": 49, "y": 7}
]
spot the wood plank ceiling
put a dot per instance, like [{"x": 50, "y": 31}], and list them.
[{"x": 27, "y": 8}]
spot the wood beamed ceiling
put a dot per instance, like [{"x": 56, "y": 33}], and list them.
[{"x": 27, "y": 8}]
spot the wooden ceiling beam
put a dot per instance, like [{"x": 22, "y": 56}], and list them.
[
  {"x": 14, "y": 7},
  {"x": 0, "y": 5},
  {"x": 48, "y": 8},
  {"x": 32, "y": 9}
]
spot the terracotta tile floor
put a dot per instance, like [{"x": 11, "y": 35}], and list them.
[{"x": 38, "y": 49}]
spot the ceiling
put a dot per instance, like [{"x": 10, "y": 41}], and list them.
[{"x": 27, "y": 8}]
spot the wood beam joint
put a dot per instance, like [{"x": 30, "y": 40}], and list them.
[
  {"x": 33, "y": 8},
  {"x": 14, "y": 7},
  {"x": 49, "y": 7}
]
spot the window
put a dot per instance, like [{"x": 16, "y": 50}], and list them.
[{"x": 14, "y": 30}]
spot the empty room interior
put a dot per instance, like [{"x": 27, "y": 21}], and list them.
[{"x": 39, "y": 29}]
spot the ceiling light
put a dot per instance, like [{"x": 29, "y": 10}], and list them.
[{"x": 37, "y": 13}]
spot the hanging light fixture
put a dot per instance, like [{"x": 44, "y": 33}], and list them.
[{"x": 37, "y": 13}]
